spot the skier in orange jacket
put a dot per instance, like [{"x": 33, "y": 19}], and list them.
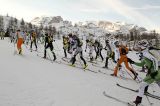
[
  {"x": 123, "y": 51},
  {"x": 19, "y": 41}
]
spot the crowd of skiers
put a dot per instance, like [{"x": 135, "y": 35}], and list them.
[
  {"x": 118, "y": 53},
  {"x": 115, "y": 50}
]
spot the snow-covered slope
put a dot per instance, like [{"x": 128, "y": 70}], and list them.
[{"x": 29, "y": 80}]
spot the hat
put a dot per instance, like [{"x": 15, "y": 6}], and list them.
[
  {"x": 18, "y": 30},
  {"x": 116, "y": 43},
  {"x": 107, "y": 41},
  {"x": 46, "y": 34},
  {"x": 143, "y": 44}
]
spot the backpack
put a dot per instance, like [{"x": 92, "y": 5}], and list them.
[
  {"x": 124, "y": 50},
  {"x": 156, "y": 54}
]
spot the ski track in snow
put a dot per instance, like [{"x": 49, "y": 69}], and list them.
[{"x": 29, "y": 80}]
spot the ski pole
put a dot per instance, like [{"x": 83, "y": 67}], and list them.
[
  {"x": 137, "y": 75},
  {"x": 14, "y": 53},
  {"x": 49, "y": 56},
  {"x": 112, "y": 63},
  {"x": 150, "y": 103},
  {"x": 57, "y": 46},
  {"x": 80, "y": 61},
  {"x": 58, "y": 49},
  {"x": 129, "y": 74}
]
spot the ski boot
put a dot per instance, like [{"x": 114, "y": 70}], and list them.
[
  {"x": 91, "y": 59},
  {"x": 71, "y": 60},
  {"x": 54, "y": 57},
  {"x": 85, "y": 66},
  {"x": 20, "y": 51},
  {"x": 135, "y": 75},
  {"x": 36, "y": 50},
  {"x": 44, "y": 56},
  {"x": 137, "y": 102},
  {"x": 105, "y": 67},
  {"x": 73, "y": 65},
  {"x": 113, "y": 75}
]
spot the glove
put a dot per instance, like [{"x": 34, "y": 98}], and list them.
[
  {"x": 138, "y": 100},
  {"x": 74, "y": 49},
  {"x": 114, "y": 61},
  {"x": 105, "y": 48},
  {"x": 153, "y": 74},
  {"x": 130, "y": 61},
  {"x": 151, "y": 48}
]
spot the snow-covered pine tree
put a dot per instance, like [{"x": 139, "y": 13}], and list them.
[
  {"x": 22, "y": 24},
  {"x": 1, "y": 23}
]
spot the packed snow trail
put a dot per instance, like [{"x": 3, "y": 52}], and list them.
[{"x": 28, "y": 80}]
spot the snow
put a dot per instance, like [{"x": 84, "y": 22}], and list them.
[{"x": 29, "y": 80}]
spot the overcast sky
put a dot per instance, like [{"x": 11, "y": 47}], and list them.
[{"x": 141, "y": 12}]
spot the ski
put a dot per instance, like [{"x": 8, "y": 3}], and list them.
[
  {"x": 147, "y": 94},
  {"x": 120, "y": 77},
  {"x": 68, "y": 64},
  {"x": 67, "y": 60},
  {"x": 52, "y": 61},
  {"x": 92, "y": 71},
  {"x": 85, "y": 69},
  {"x": 117, "y": 99},
  {"x": 93, "y": 62},
  {"x": 96, "y": 65},
  {"x": 126, "y": 88},
  {"x": 36, "y": 51}
]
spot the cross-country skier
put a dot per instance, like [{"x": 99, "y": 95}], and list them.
[
  {"x": 71, "y": 43},
  {"x": 153, "y": 74},
  {"x": 98, "y": 49},
  {"x": 123, "y": 51},
  {"x": 140, "y": 57},
  {"x": 33, "y": 38},
  {"x": 27, "y": 38},
  {"x": 90, "y": 46},
  {"x": 12, "y": 36},
  {"x": 2, "y": 34},
  {"x": 48, "y": 44},
  {"x": 65, "y": 45},
  {"x": 114, "y": 43},
  {"x": 110, "y": 53},
  {"x": 19, "y": 41},
  {"x": 78, "y": 50}
]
